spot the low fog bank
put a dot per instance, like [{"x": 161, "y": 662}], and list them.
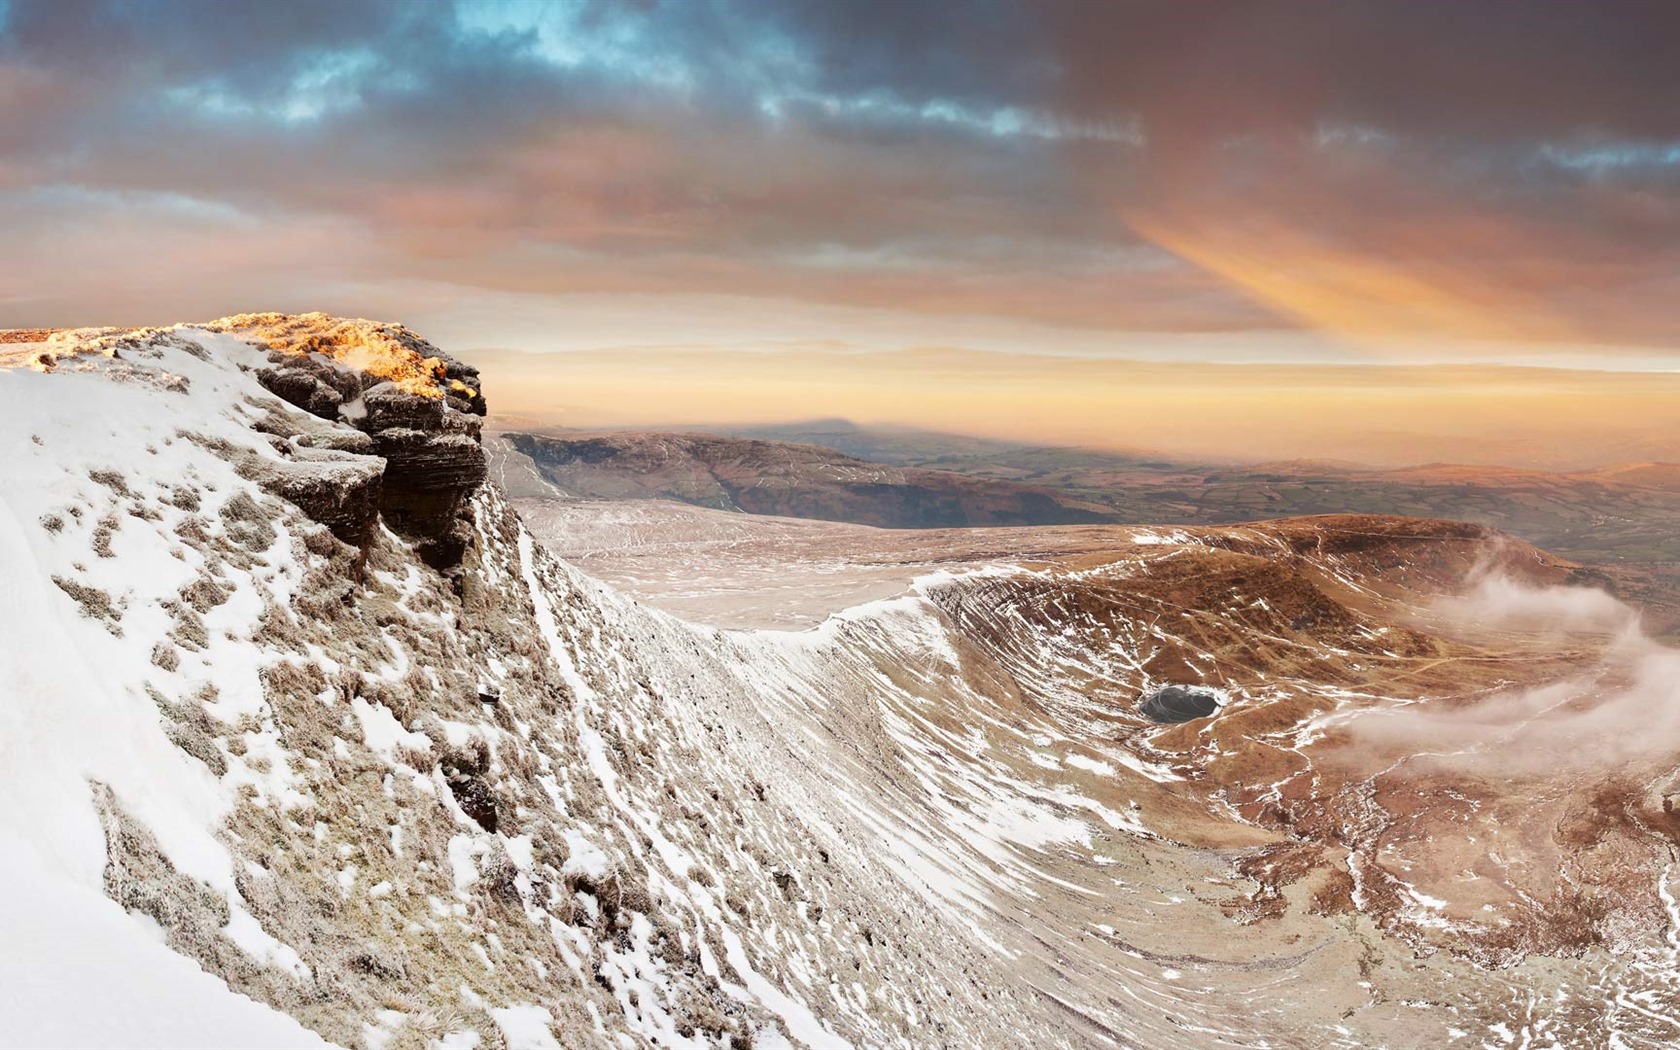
[
  {"x": 1624, "y": 709},
  {"x": 1499, "y": 601}
]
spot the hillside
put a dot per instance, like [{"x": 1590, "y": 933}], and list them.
[
  {"x": 791, "y": 480},
  {"x": 271, "y": 745},
  {"x": 302, "y": 729}
]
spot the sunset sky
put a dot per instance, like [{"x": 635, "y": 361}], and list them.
[{"x": 987, "y": 216}]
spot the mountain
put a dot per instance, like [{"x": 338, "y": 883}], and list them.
[
  {"x": 900, "y": 446},
  {"x": 262, "y": 707},
  {"x": 304, "y": 740},
  {"x": 782, "y": 478},
  {"x": 1618, "y": 518}
]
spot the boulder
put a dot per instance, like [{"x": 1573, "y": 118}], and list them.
[
  {"x": 300, "y": 388},
  {"x": 390, "y": 406},
  {"x": 341, "y": 490}
]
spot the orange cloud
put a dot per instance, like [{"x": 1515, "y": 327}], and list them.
[
  {"x": 1367, "y": 293},
  {"x": 1383, "y": 414}
]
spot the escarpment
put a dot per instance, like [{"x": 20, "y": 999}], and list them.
[{"x": 420, "y": 410}]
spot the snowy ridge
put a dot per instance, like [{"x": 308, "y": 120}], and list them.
[{"x": 638, "y": 843}]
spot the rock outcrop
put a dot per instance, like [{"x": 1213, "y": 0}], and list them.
[
  {"x": 328, "y": 471},
  {"x": 434, "y": 462},
  {"x": 420, "y": 409}
]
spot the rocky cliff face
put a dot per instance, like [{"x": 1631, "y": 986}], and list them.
[{"x": 422, "y": 410}]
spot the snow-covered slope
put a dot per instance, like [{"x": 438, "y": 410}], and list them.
[
  {"x": 270, "y": 748},
  {"x": 302, "y": 741}
]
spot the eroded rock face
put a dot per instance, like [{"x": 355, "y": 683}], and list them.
[
  {"x": 421, "y": 410},
  {"x": 339, "y": 490},
  {"x": 328, "y": 471},
  {"x": 311, "y": 385},
  {"x": 434, "y": 463}
]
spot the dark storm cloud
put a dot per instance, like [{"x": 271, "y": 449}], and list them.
[
  {"x": 1428, "y": 167},
  {"x": 985, "y": 52}
]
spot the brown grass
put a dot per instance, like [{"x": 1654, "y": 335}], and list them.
[{"x": 94, "y": 603}]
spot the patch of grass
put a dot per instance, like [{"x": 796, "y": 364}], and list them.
[
  {"x": 189, "y": 630},
  {"x": 204, "y": 593},
  {"x": 248, "y": 524},
  {"x": 166, "y": 657},
  {"x": 112, "y": 480},
  {"x": 94, "y": 603},
  {"x": 102, "y": 534}
]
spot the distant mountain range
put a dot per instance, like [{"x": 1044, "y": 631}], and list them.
[
  {"x": 1619, "y": 518},
  {"x": 791, "y": 480}
]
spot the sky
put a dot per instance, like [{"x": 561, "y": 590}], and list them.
[{"x": 1471, "y": 189}]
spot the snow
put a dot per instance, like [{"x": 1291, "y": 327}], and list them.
[
  {"x": 464, "y": 850},
  {"x": 526, "y": 1027},
  {"x": 69, "y": 713},
  {"x": 584, "y": 857},
  {"x": 1090, "y": 765},
  {"x": 259, "y": 944},
  {"x": 77, "y": 972},
  {"x": 1156, "y": 539},
  {"x": 382, "y": 732},
  {"x": 802, "y": 1024}
]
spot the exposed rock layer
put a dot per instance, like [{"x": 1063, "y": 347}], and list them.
[{"x": 422, "y": 409}]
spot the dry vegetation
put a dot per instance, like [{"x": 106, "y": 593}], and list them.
[{"x": 389, "y": 352}]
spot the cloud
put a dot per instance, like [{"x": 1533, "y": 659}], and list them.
[
  {"x": 1481, "y": 171},
  {"x": 1381, "y": 170},
  {"x": 1486, "y": 74},
  {"x": 1496, "y": 600},
  {"x": 1623, "y": 710}
]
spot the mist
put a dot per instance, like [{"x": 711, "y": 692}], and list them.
[
  {"x": 1497, "y": 600},
  {"x": 1623, "y": 710}
]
